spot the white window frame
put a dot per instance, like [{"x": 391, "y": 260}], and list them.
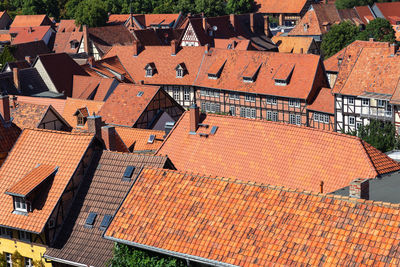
[
  {"x": 149, "y": 72},
  {"x": 297, "y": 103},
  {"x": 350, "y": 100},
  {"x": 291, "y": 102},
  {"x": 358, "y": 125},
  {"x": 253, "y": 113},
  {"x": 388, "y": 110},
  {"x": 292, "y": 118},
  {"x": 176, "y": 93},
  {"x": 365, "y": 102},
  {"x": 272, "y": 101},
  {"x": 249, "y": 98},
  {"x": 381, "y": 103},
  {"x": 186, "y": 94},
  {"x": 269, "y": 115},
  {"x": 8, "y": 259},
  {"x": 24, "y": 236},
  {"x": 179, "y": 73},
  {"x": 243, "y": 112},
  {"x": 275, "y": 116},
  {"x": 326, "y": 119},
  {"x": 232, "y": 109},
  {"x": 316, "y": 116},
  {"x": 298, "y": 119},
  {"x": 20, "y": 204},
  {"x": 354, "y": 120},
  {"x": 28, "y": 262}
]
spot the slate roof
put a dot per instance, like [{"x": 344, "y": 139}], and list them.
[
  {"x": 293, "y": 44},
  {"x": 124, "y": 106},
  {"x": 222, "y": 220},
  {"x": 323, "y": 102},
  {"x": 280, "y": 6},
  {"x": 273, "y": 153},
  {"x": 7, "y": 83},
  {"x": 29, "y": 34},
  {"x": 102, "y": 194},
  {"x": 61, "y": 149},
  {"x": 73, "y": 104},
  {"x": 105, "y": 37},
  {"x": 61, "y": 68},
  {"x": 30, "y": 82},
  {"x": 137, "y": 139}
]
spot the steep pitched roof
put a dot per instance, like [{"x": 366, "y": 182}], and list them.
[
  {"x": 105, "y": 37},
  {"x": 220, "y": 220},
  {"x": 31, "y": 49},
  {"x": 292, "y": 44},
  {"x": 280, "y": 6},
  {"x": 389, "y": 10},
  {"x": 27, "y": 115},
  {"x": 29, "y": 34},
  {"x": 61, "y": 149},
  {"x": 110, "y": 67},
  {"x": 324, "y": 102},
  {"x": 57, "y": 104},
  {"x": 67, "y": 25},
  {"x": 138, "y": 139},
  {"x": 9, "y": 133},
  {"x": 97, "y": 196},
  {"x": 73, "y": 104},
  {"x": 126, "y": 103},
  {"x": 365, "y": 13},
  {"x": 90, "y": 86},
  {"x": 286, "y": 149},
  {"x": 66, "y": 42},
  {"x": 30, "y": 21},
  {"x": 61, "y": 68}
]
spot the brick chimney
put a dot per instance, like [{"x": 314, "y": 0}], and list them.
[
  {"x": 359, "y": 188},
  {"x": 267, "y": 32},
  {"x": 135, "y": 47},
  {"x": 205, "y": 25},
  {"x": 109, "y": 137},
  {"x": 90, "y": 61},
  {"x": 94, "y": 124},
  {"x": 371, "y": 39},
  {"x": 393, "y": 49},
  {"x": 16, "y": 77},
  {"x": 252, "y": 22},
  {"x": 86, "y": 39},
  {"x": 174, "y": 47},
  {"x": 207, "y": 48},
  {"x": 5, "y": 107},
  {"x": 194, "y": 118},
  {"x": 280, "y": 19},
  {"x": 233, "y": 21}
]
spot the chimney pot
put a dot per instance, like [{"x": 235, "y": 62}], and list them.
[
  {"x": 135, "y": 48},
  {"x": 393, "y": 49},
  {"x": 5, "y": 108},
  {"x": 86, "y": 39},
  {"x": 359, "y": 188},
  {"x": 94, "y": 125},
  {"x": 194, "y": 118},
  {"x": 109, "y": 137},
  {"x": 207, "y": 48},
  {"x": 174, "y": 47}
]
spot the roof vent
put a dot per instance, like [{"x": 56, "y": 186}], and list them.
[
  {"x": 105, "y": 222},
  {"x": 90, "y": 220},
  {"x": 151, "y": 139},
  {"x": 128, "y": 173},
  {"x": 213, "y": 130},
  {"x": 140, "y": 93}
]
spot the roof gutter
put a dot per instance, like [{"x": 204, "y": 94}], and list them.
[
  {"x": 65, "y": 261},
  {"x": 170, "y": 253}
]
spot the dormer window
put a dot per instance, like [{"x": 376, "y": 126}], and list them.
[
  {"x": 20, "y": 204},
  {"x": 180, "y": 70},
  {"x": 248, "y": 79},
  {"x": 74, "y": 44},
  {"x": 80, "y": 121},
  {"x": 150, "y": 69},
  {"x": 81, "y": 116},
  {"x": 283, "y": 74},
  {"x": 216, "y": 68},
  {"x": 250, "y": 73},
  {"x": 280, "y": 82}
]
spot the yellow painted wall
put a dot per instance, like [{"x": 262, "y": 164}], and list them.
[{"x": 28, "y": 250}]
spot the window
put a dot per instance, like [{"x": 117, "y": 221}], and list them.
[
  {"x": 24, "y": 236},
  {"x": 248, "y": 79},
  {"x": 149, "y": 72},
  {"x": 275, "y": 116},
  {"x": 179, "y": 73},
  {"x": 272, "y": 100},
  {"x": 8, "y": 259},
  {"x": 297, "y": 103},
  {"x": 351, "y": 100},
  {"x": 186, "y": 94},
  {"x": 105, "y": 222},
  {"x": 234, "y": 96},
  {"x": 80, "y": 120},
  {"x": 365, "y": 102},
  {"x": 358, "y": 125},
  {"x": 269, "y": 115},
  {"x": 128, "y": 173},
  {"x": 28, "y": 262},
  {"x": 202, "y": 92},
  {"x": 381, "y": 103},
  {"x": 389, "y": 110},
  {"x": 140, "y": 93},
  {"x": 4, "y": 232},
  {"x": 291, "y": 102},
  {"x": 298, "y": 119},
  {"x": 253, "y": 113},
  {"x": 242, "y": 112},
  {"x": 294, "y": 103},
  {"x": 20, "y": 204},
  {"x": 280, "y": 82},
  {"x": 292, "y": 119},
  {"x": 250, "y": 98},
  {"x": 203, "y": 106},
  {"x": 151, "y": 139},
  {"x": 232, "y": 110},
  {"x": 352, "y": 120},
  {"x": 316, "y": 116},
  {"x": 176, "y": 93},
  {"x": 326, "y": 119},
  {"x": 90, "y": 220}
]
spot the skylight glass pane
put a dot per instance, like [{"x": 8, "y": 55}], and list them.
[
  {"x": 128, "y": 172},
  {"x": 105, "y": 222},
  {"x": 151, "y": 139},
  {"x": 90, "y": 219}
]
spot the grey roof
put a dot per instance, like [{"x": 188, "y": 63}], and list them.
[
  {"x": 7, "y": 84},
  {"x": 31, "y": 83},
  {"x": 101, "y": 193}
]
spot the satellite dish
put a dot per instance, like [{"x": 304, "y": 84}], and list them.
[{"x": 215, "y": 28}]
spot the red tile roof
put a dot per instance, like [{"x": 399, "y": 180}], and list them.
[
  {"x": 57, "y": 104},
  {"x": 27, "y": 115},
  {"x": 105, "y": 37},
  {"x": 31, "y": 180},
  {"x": 30, "y": 21},
  {"x": 292, "y": 44},
  {"x": 63, "y": 42},
  {"x": 280, "y": 6},
  {"x": 137, "y": 139},
  {"x": 222, "y": 220},
  {"x": 67, "y": 25},
  {"x": 389, "y": 10},
  {"x": 90, "y": 86},
  {"x": 73, "y": 104},
  {"x": 272, "y": 153},
  {"x": 107, "y": 67},
  {"x": 61, "y": 149},
  {"x": 115, "y": 19},
  {"x": 324, "y": 102},
  {"x": 124, "y": 106},
  {"x": 365, "y": 13},
  {"x": 29, "y": 34}
]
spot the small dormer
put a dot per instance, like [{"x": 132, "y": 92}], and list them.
[
  {"x": 250, "y": 73},
  {"x": 150, "y": 69},
  {"x": 283, "y": 74},
  {"x": 81, "y": 116},
  {"x": 74, "y": 44},
  {"x": 180, "y": 70},
  {"x": 214, "y": 72},
  {"x": 28, "y": 191}
]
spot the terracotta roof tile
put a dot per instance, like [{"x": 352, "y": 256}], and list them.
[
  {"x": 324, "y": 102},
  {"x": 61, "y": 149},
  {"x": 9, "y": 134},
  {"x": 389, "y": 10},
  {"x": 29, "y": 21},
  {"x": 27, "y": 115},
  {"x": 292, "y": 44},
  {"x": 125, "y": 104},
  {"x": 73, "y": 104},
  {"x": 107, "y": 67},
  {"x": 137, "y": 139},
  {"x": 115, "y": 19},
  {"x": 31, "y": 180},
  {"x": 102, "y": 193},
  {"x": 246, "y": 224},
  {"x": 31, "y": 49},
  {"x": 67, "y": 25},
  {"x": 298, "y": 157},
  {"x": 105, "y": 37},
  {"x": 29, "y": 34},
  {"x": 280, "y": 6},
  {"x": 90, "y": 86},
  {"x": 57, "y": 104},
  {"x": 63, "y": 40}
]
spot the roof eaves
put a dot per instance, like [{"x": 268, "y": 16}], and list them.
[
  {"x": 59, "y": 116},
  {"x": 72, "y": 263}
]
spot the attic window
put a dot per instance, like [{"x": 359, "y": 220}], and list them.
[
  {"x": 305, "y": 26},
  {"x": 248, "y": 79},
  {"x": 74, "y": 44},
  {"x": 283, "y": 74},
  {"x": 81, "y": 115},
  {"x": 140, "y": 93},
  {"x": 214, "y": 72},
  {"x": 250, "y": 73},
  {"x": 150, "y": 69},
  {"x": 151, "y": 139},
  {"x": 90, "y": 220},
  {"x": 128, "y": 173},
  {"x": 105, "y": 222},
  {"x": 180, "y": 70},
  {"x": 20, "y": 204},
  {"x": 80, "y": 120}
]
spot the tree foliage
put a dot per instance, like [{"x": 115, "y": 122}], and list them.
[
  {"x": 380, "y": 30},
  {"x": 343, "y": 4},
  {"x": 127, "y": 256},
  {"x": 92, "y": 13},
  {"x": 6, "y": 56},
  {"x": 338, "y": 37},
  {"x": 379, "y": 134}
]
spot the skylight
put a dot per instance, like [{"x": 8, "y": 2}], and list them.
[
  {"x": 128, "y": 173},
  {"x": 140, "y": 93},
  {"x": 90, "y": 220},
  {"x": 105, "y": 222},
  {"x": 151, "y": 139}
]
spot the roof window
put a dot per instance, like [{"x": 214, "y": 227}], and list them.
[
  {"x": 283, "y": 74},
  {"x": 151, "y": 139},
  {"x": 214, "y": 130},
  {"x": 250, "y": 73},
  {"x": 150, "y": 69},
  {"x": 128, "y": 173},
  {"x": 180, "y": 70},
  {"x": 105, "y": 222},
  {"x": 140, "y": 93},
  {"x": 90, "y": 220}
]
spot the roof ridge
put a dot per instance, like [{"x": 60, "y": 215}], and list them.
[
  {"x": 58, "y": 132},
  {"x": 85, "y": 100},
  {"x": 138, "y": 129},
  {"x": 279, "y": 188},
  {"x": 135, "y": 154},
  {"x": 369, "y": 159}
]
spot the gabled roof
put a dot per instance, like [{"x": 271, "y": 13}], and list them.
[
  {"x": 388, "y": 10},
  {"x": 54, "y": 148},
  {"x": 61, "y": 68},
  {"x": 372, "y": 70},
  {"x": 110, "y": 67},
  {"x": 89, "y": 87},
  {"x": 26, "y": 115},
  {"x": 105, "y": 37},
  {"x": 31, "y": 49},
  {"x": 73, "y": 104},
  {"x": 30, "y": 21},
  {"x": 221, "y": 221},
  {"x": 101, "y": 194},
  {"x": 63, "y": 41},
  {"x": 125, "y": 104},
  {"x": 323, "y": 102},
  {"x": 67, "y": 25},
  {"x": 280, "y": 6},
  {"x": 57, "y": 104},
  {"x": 29, "y": 34},
  {"x": 137, "y": 139},
  {"x": 286, "y": 150},
  {"x": 293, "y": 44},
  {"x": 284, "y": 72},
  {"x": 365, "y": 13}
]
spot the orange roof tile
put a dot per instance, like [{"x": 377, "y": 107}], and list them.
[
  {"x": 137, "y": 139},
  {"x": 73, "y": 104},
  {"x": 365, "y": 13},
  {"x": 34, "y": 147},
  {"x": 292, "y": 44},
  {"x": 31, "y": 180},
  {"x": 57, "y": 104},
  {"x": 67, "y": 25},
  {"x": 308, "y": 25},
  {"x": 280, "y": 6},
  {"x": 284, "y": 72},
  {"x": 220, "y": 220},
  {"x": 4, "y": 37},
  {"x": 299, "y": 157},
  {"x": 389, "y": 10},
  {"x": 29, "y": 21},
  {"x": 29, "y": 34},
  {"x": 125, "y": 105},
  {"x": 118, "y": 18},
  {"x": 27, "y": 115},
  {"x": 324, "y": 102},
  {"x": 63, "y": 40}
]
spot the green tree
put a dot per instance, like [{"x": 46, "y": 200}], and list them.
[
  {"x": 92, "y": 13},
  {"x": 6, "y": 56},
  {"x": 125, "y": 256},
  {"x": 239, "y": 6},
  {"x": 379, "y": 29},
  {"x": 211, "y": 8},
  {"x": 71, "y": 7},
  {"x": 338, "y": 37}
]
